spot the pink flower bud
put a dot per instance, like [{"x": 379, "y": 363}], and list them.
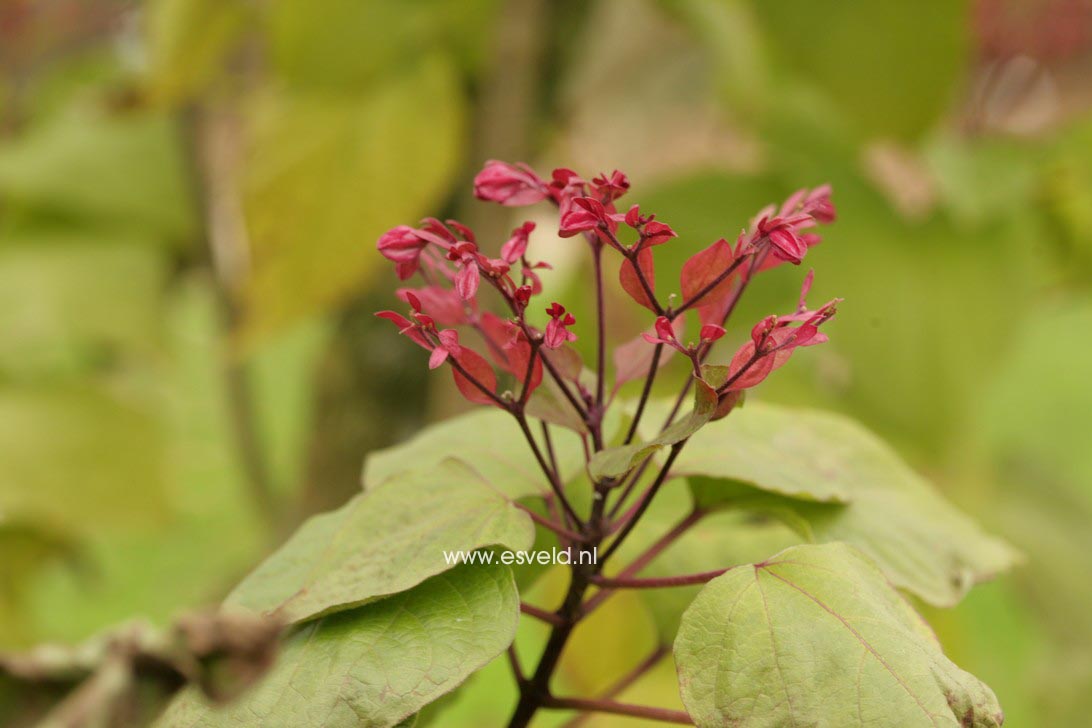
[
  {"x": 508, "y": 184},
  {"x": 402, "y": 245},
  {"x": 516, "y": 246},
  {"x": 711, "y": 332}
]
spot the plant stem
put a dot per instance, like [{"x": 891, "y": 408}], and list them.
[
  {"x": 646, "y": 499},
  {"x": 551, "y": 476},
  {"x": 540, "y": 614},
  {"x": 535, "y": 691},
  {"x": 646, "y": 391},
  {"x": 547, "y": 523},
  {"x": 614, "y": 708},
  {"x": 477, "y": 384},
  {"x": 624, "y": 682},
  {"x": 658, "y": 582},
  {"x": 513, "y": 662},
  {"x": 693, "y": 300},
  {"x": 631, "y": 256},
  {"x": 646, "y": 558},
  {"x": 601, "y": 341},
  {"x": 756, "y": 261},
  {"x": 222, "y": 238}
]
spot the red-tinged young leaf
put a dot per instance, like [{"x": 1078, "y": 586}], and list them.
[
  {"x": 701, "y": 270},
  {"x": 477, "y": 367},
  {"x": 509, "y": 184},
  {"x": 518, "y": 355},
  {"x": 631, "y": 282},
  {"x": 657, "y": 233},
  {"x": 405, "y": 326},
  {"x": 516, "y": 245},
  {"x": 711, "y": 332},
  {"x": 566, "y": 360},
  {"x": 442, "y": 304},
  {"x": 498, "y": 334}
]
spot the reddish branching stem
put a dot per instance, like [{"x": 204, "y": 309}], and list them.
[
  {"x": 595, "y": 705},
  {"x": 540, "y": 614},
  {"x": 557, "y": 528},
  {"x": 660, "y": 582}
]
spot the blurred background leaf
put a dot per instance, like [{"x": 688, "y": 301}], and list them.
[{"x": 190, "y": 192}]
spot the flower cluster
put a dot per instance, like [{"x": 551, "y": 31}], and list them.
[{"x": 454, "y": 268}]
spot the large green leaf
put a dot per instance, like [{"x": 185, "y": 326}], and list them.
[
  {"x": 328, "y": 173},
  {"x": 488, "y": 439},
  {"x": 816, "y": 636},
  {"x": 61, "y": 309},
  {"x": 374, "y": 666},
  {"x": 890, "y": 67},
  {"x": 383, "y": 542},
  {"x": 188, "y": 40},
  {"x": 719, "y": 540},
  {"x": 123, "y": 169},
  {"x": 783, "y": 461},
  {"x": 52, "y": 445}
]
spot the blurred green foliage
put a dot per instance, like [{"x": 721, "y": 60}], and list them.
[{"x": 190, "y": 191}]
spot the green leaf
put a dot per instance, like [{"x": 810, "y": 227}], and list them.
[
  {"x": 330, "y": 172},
  {"x": 376, "y": 665},
  {"x": 383, "y": 542},
  {"x": 788, "y": 462},
  {"x": 52, "y": 445},
  {"x": 62, "y": 311},
  {"x": 187, "y": 42},
  {"x": 816, "y": 636},
  {"x": 891, "y": 68},
  {"x": 487, "y": 438},
  {"x": 719, "y": 539},
  {"x": 613, "y": 462},
  {"x": 121, "y": 169}
]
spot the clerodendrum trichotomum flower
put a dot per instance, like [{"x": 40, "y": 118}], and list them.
[{"x": 454, "y": 268}]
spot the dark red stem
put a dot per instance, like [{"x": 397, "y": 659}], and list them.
[
  {"x": 540, "y": 614},
  {"x": 557, "y": 528},
  {"x": 658, "y": 582},
  {"x": 614, "y": 708}
]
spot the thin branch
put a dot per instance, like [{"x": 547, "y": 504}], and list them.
[
  {"x": 646, "y": 558},
  {"x": 634, "y": 478},
  {"x": 540, "y": 614},
  {"x": 631, "y": 256},
  {"x": 547, "y": 523},
  {"x": 551, "y": 476},
  {"x": 646, "y": 500},
  {"x": 601, "y": 341},
  {"x": 474, "y": 380},
  {"x": 706, "y": 290},
  {"x": 623, "y": 683},
  {"x": 645, "y": 393},
  {"x": 659, "y": 582},
  {"x": 614, "y": 708},
  {"x": 513, "y": 662},
  {"x": 222, "y": 236},
  {"x": 525, "y": 393}
]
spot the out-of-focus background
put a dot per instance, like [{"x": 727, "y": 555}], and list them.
[{"x": 190, "y": 192}]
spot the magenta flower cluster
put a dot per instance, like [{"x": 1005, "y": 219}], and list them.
[{"x": 453, "y": 268}]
